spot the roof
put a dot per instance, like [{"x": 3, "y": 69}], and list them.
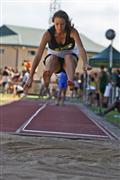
[
  {"x": 5, "y": 31},
  {"x": 90, "y": 45},
  {"x": 27, "y": 36},
  {"x": 23, "y": 36},
  {"x": 103, "y": 58}
]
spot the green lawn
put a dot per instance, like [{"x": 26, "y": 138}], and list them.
[
  {"x": 7, "y": 98},
  {"x": 112, "y": 117}
]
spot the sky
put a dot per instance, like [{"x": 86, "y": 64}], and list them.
[{"x": 91, "y": 17}]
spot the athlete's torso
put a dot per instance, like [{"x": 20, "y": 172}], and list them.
[
  {"x": 54, "y": 45},
  {"x": 60, "y": 49}
]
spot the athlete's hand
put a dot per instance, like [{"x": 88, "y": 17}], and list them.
[{"x": 28, "y": 85}]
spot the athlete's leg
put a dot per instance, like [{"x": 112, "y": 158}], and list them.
[
  {"x": 52, "y": 65},
  {"x": 70, "y": 63}
]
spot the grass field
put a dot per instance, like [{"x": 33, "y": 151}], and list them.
[
  {"x": 7, "y": 98},
  {"x": 112, "y": 117}
]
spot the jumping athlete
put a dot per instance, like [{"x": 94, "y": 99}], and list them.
[{"x": 64, "y": 48}]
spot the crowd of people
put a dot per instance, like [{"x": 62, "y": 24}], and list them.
[
  {"x": 12, "y": 81},
  {"x": 95, "y": 88}
]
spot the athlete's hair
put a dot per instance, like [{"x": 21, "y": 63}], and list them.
[{"x": 64, "y": 15}]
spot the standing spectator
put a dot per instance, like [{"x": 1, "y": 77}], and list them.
[
  {"x": 97, "y": 94},
  {"x": 92, "y": 90},
  {"x": 118, "y": 83},
  {"x": 5, "y": 77},
  {"x": 107, "y": 93},
  {"x": 25, "y": 77},
  {"x": 103, "y": 81},
  {"x": 76, "y": 86},
  {"x": 62, "y": 88}
]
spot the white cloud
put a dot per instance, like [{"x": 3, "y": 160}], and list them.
[{"x": 93, "y": 18}]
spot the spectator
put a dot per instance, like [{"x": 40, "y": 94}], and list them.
[
  {"x": 62, "y": 88},
  {"x": 115, "y": 105},
  {"x": 25, "y": 77},
  {"x": 103, "y": 81},
  {"x": 5, "y": 77}
]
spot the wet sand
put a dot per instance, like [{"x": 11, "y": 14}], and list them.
[{"x": 47, "y": 158}]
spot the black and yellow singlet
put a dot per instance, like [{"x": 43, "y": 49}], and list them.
[{"x": 59, "y": 49}]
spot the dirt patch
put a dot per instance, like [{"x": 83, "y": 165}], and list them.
[{"x": 46, "y": 158}]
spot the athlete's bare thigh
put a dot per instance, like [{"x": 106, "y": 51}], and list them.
[{"x": 52, "y": 63}]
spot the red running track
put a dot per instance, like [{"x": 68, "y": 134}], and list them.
[
  {"x": 13, "y": 115},
  {"x": 32, "y": 118}
]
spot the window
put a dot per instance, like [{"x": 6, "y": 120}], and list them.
[
  {"x": 2, "y": 51},
  {"x": 31, "y": 53}
]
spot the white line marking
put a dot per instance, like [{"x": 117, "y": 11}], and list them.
[
  {"x": 30, "y": 119},
  {"x": 101, "y": 127},
  {"x": 63, "y": 133},
  {"x": 98, "y": 124}
]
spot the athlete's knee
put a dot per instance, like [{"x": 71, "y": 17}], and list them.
[
  {"x": 68, "y": 56},
  {"x": 51, "y": 60},
  {"x": 53, "y": 57}
]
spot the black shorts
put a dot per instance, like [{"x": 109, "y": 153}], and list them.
[{"x": 61, "y": 60}]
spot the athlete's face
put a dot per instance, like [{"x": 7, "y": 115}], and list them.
[{"x": 60, "y": 24}]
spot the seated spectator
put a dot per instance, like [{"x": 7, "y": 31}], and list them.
[
  {"x": 112, "y": 107},
  {"x": 5, "y": 78},
  {"x": 18, "y": 90}
]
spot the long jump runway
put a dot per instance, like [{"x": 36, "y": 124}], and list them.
[{"x": 28, "y": 117}]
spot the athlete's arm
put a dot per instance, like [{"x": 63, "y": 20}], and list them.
[
  {"x": 76, "y": 37},
  {"x": 44, "y": 41}
]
